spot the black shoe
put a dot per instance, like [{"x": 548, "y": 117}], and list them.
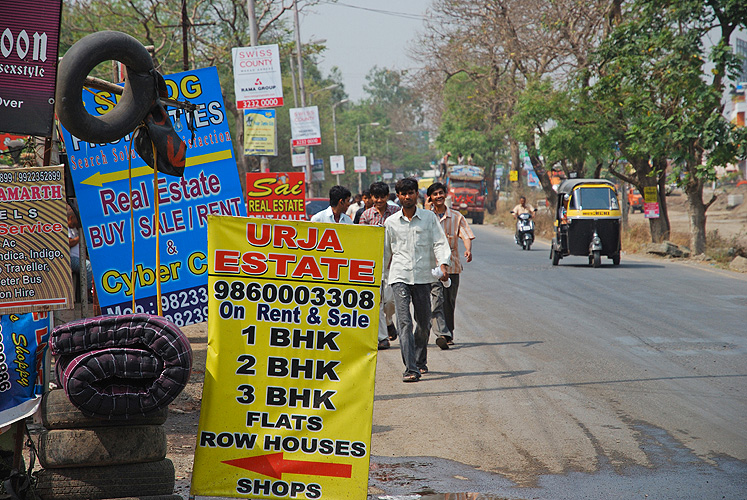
[
  {"x": 392, "y": 332},
  {"x": 410, "y": 377},
  {"x": 383, "y": 344},
  {"x": 442, "y": 342},
  {"x": 450, "y": 341},
  {"x": 423, "y": 370}
]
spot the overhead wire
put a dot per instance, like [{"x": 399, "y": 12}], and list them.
[{"x": 404, "y": 15}]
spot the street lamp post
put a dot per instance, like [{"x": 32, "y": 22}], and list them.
[
  {"x": 293, "y": 70},
  {"x": 360, "y": 179},
  {"x": 328, "y": 87},
  {"x": 334, "y": 128}
]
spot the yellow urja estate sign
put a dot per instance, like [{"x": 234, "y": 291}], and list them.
[{"x": 292, "y": 343}]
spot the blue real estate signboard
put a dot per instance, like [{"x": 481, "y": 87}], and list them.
[{"x": 210, "y": 186}]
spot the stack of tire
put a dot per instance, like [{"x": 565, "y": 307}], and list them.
[{"x": 89, "y": 458}]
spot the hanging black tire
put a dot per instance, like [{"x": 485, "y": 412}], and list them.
[
  {"x": 134, "y": 104},
  {"x": 596, "y": 258},
  {"x": 115, "y": 481},
  {"x": 58, "y": 412},
  {"x": 117, "y": 445}
]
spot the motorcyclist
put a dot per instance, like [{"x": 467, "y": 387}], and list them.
[{"x": 522, "y": 208}]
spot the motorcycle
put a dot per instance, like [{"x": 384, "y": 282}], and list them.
[{"x": 524, "y": 236}]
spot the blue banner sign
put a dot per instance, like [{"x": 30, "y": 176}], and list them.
[
  {"x": 210, "y": 186},
  {"x": 23, "y": 340}
]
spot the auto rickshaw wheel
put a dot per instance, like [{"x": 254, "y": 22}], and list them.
[
  {"x": 596, "y": 258},
  {"x": 616, "y": 259},
  {"x": 554, "y": 255}
]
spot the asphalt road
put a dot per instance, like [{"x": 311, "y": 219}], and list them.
[{"x": 573, "y": 382}]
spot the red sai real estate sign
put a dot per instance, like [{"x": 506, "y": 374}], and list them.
[{"x": 275, "y": 195}]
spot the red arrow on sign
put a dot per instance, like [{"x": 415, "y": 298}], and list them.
[{"x": 274, "y": 465}]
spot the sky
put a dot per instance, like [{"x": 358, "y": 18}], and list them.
[{"x": 362, "y": 34}]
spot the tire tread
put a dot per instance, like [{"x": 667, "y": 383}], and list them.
[{"x": 116, "y": 481}]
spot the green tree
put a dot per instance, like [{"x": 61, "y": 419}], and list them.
[
  {"x": 568, "y": 132},
  {"x": 659, "y": 103},
  {"x": 468, "y": 128},
  {"x": 501, "y": 45}
]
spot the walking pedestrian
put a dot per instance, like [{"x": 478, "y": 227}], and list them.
[
  {"x": 367, "y": 203},
  {"x": 443, "y": 166},
  {"x": 376, "y": 216},
  {"x": 443, "y": 299},
  {"x": 339, "y": 200},
  {"x": 415, "y": 250},
  {"x": 355, "y": 205}
]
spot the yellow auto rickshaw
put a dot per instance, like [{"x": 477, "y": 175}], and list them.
[{"x": 587, "y": 221}]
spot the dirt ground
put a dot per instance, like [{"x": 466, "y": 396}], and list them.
[
  {"x": 729, "y": 222},
  {"x": 184, "y": 412}
]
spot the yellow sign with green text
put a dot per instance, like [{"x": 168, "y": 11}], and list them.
[
  {"x": 650, "y": 194},
  {"x": 292, "y": 342}
]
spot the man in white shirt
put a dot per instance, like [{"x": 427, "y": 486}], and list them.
[
  {"x": 355, "y": 206},
  {"x": 339, "y": 201},
  {"x": 415, "y": 245}
]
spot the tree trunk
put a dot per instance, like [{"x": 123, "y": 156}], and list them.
[
  {"x": 646, "y": 176},
  {"x": 490, "y": 188},
  {"x": 515, "y": 161},
  {"x": 540, "y": 171},
  {"x": 663, "y": 209},
  {"x": 660, "y": 229},
  {"x": 544, "y": 178},
  {"x": 696, "y": 211}
]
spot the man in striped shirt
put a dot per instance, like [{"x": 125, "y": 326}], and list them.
[
  {"x": 375, "y": 216},
  {"x": 443, "y": 299}
]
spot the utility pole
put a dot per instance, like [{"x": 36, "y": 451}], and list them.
[
  {"x": 334, "y": 129},
  {"x": 253, "y": 41},
  {"x": 360, "y": 178},
  {"x": 253, "y": 35},
  {"x": 185, "y": 37},
  {"x": 185, "y": 24},
  {"x": 302, "y": 91}
]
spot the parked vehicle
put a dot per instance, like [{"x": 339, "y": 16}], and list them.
[
  {"x": 524, "y": 236},
  {"x": 635, "y": 200},
  {"x": 587, "y": 221},
  {"x": 467, "y": 189},
  {"x": 315, "y": 205}
]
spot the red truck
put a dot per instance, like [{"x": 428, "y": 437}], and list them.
[
  {"x": 466, "y": 185},
  {"x": 635, "y": 200}
]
